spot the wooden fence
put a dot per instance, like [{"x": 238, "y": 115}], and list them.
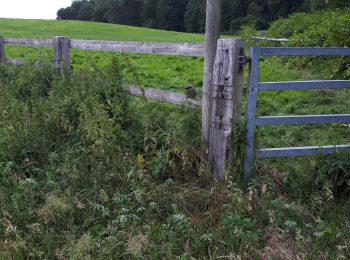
[
  {"x": 224, "y": 111},
  {"x": 225, "y": 92},
  {"x": 268, "y": 39},
  {"x": 62, "y": 45}
]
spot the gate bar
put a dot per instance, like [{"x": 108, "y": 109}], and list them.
[
  {"x": 299, "y": 120},
  {"x": 291, "y": 51},
  {"x": 304, "y": 85},
  {"x": 300, "y": 151}
]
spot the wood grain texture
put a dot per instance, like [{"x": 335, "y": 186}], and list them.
[
  {"x": 2, "y": 50},
  {"x": 227, "y": 80},
  {"x": 212, "y": 34},
  {"x": 29, "y": 42},
  {"x": 270, "y": 39},
  {"x": 179, "y": 49},
  {"x": 162, "y": 95},
  {"x": 61, "y": 53}
]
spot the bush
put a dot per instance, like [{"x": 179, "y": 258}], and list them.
[
  {"x": 336, "y": 169},
  {"x": 296, "y": 23},
  {"x": 247, "y": 32},
  {"x": 322, "y": 29}
]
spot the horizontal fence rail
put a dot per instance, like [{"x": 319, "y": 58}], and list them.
[
  {"x": 304, "y": 85},
  {"x": 270, "y": 39},
  {"x": 290, "y": 51},
  {"x": 300, "y": 151},
  {"x": 253, "y": 120},
  {"x": 178, "y": 49},
  {"x": 14, "y": 62},
  {"x": 298, "y": 120},
  {"x": 61, "y": 46},
  {"x": 163, "y": 95},
  {"x": 29, "y": 42}
]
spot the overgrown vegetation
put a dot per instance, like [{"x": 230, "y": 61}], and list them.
[
  {"x": 320, "y": 29},
  {"x": 87, "y": 171}
]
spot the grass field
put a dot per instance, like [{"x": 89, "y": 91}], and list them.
[
  {"x": 46, "y": 29},
  {"x": 85, "y": 172}
]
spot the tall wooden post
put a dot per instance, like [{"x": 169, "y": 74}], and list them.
[
  {"x": 2, "y": 50},
  {"x": 226, "y": 101},
  {"x": 212, "y": 34},
  {"x": 61, "y": 53}
]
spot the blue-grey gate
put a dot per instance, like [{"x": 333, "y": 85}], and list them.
[{"x": 255, "y": 87}]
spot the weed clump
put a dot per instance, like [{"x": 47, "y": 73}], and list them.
[{"x": 87, "y": 171}]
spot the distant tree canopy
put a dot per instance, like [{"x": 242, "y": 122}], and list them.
[{"x": 189, "y": 15}]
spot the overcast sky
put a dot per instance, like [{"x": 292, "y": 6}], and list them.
[{"x": 31, "y": 9}]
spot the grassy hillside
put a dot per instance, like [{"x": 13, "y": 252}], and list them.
[
  {"x": 45, "y": 29},
  {"x": 87, "y": 171},
  {"x": 159, "y": 71}
]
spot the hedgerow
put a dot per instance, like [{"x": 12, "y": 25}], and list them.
[{"x": 320, "y": 29}]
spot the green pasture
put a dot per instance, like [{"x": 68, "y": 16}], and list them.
[{"x": 46, "y": 29}]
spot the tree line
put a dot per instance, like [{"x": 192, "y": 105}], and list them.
[{"x": 189, "y": 15}]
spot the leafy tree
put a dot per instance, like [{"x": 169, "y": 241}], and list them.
[
  {"x": 195, "y": 16},
  {"x": 124, "y": 12},
  {"x": 170, "y": 14},
  {"x": 149, "y": 13},
  {"x": 71, "y": 12},
  {"x": 86, "y": 11},
  {"x": 100, "y": 10},
  {"x": 66, "y": 13},
  {"x": 189, "y": 15},
  {"x": 337, "y": 3},
  {"x": 256, "y": 14}
]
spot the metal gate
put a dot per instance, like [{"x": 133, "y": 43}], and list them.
[{"x": 255, "y": 87}]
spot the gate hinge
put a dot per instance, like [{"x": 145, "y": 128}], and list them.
[{"x": 242, "y": 60}]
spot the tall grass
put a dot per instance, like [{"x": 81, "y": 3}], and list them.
[{"x": 87, "y": 171}]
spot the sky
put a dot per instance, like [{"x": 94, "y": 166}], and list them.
[{"x": 31, "y": 9}]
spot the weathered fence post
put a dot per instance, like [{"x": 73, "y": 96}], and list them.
[
  {"x": 61, "y": 46},
  {"x": 212, "y": 33},
  {"x": 226, "y": 101},
  {"x": 2, "y": 50}
]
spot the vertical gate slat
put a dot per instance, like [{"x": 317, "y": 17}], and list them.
[{"x": 251, "y": 112}]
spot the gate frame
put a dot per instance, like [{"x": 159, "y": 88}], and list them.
[{"x": 255, "y": 87}]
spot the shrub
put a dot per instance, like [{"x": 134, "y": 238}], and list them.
[
  {"x": 336, "y": 169},
  {"x": 321, "y": 29},
  {"x": 296, "y": 23},
  {"x": 247, "y": 32}
]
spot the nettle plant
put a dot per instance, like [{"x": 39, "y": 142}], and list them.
[
  {"x": 240, "y": 227},
  {"x": 336, "y": 168}
]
